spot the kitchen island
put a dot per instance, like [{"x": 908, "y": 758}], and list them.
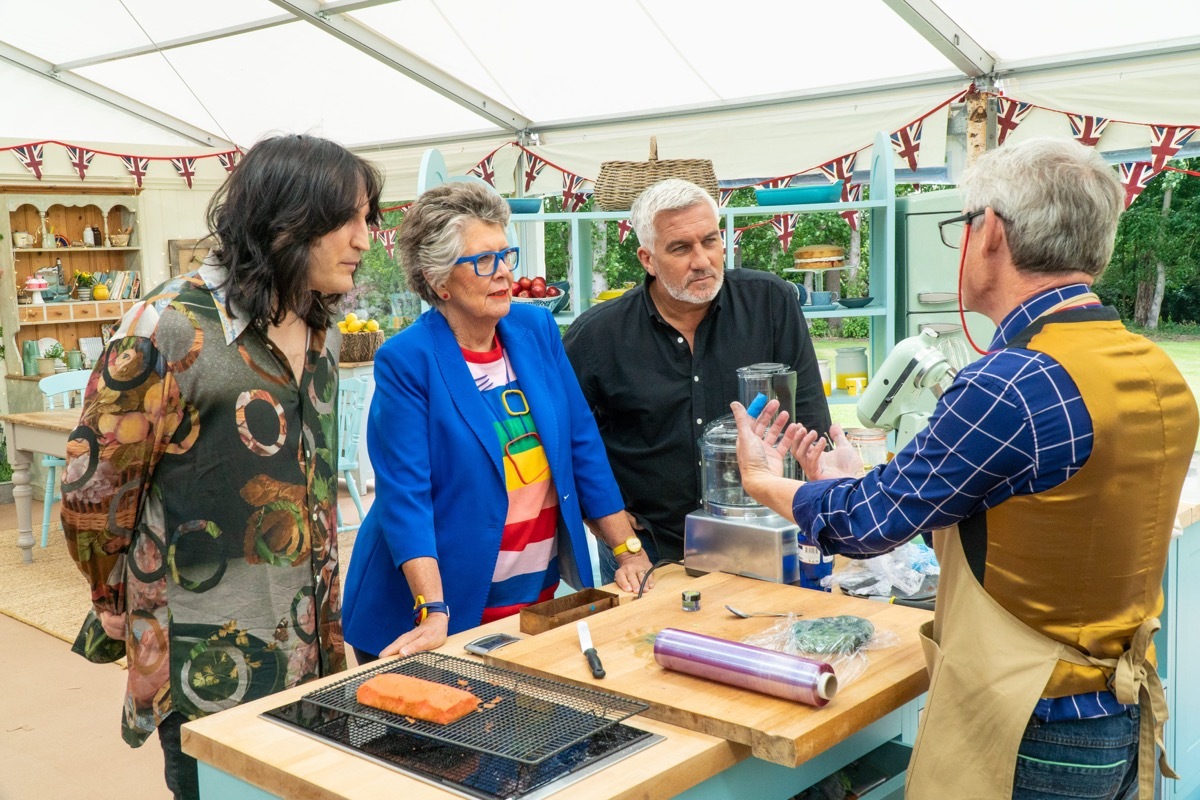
[{"x": 709, "y": 749}]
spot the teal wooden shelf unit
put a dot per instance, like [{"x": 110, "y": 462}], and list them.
[{"x": 880, "y": 209}]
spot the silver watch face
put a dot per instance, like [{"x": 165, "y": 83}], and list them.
[{"x": 633, "y": 545}]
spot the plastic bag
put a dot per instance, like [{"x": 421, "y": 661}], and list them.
[
  {"x": 842, "y": 642},
  {"x": 909, "y": 571}
]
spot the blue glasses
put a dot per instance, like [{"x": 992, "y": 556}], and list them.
[{"x": 486, "y": 264}]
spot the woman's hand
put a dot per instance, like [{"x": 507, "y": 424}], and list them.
[
  {"x": 430, "y": 634},
  {"x": 113, "y": 624},
  {"x": 843, "y": 461},
  {"x": 630, "y": 571}
]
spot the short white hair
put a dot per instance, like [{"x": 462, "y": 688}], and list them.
[
  {"x": 1060, "y": 202},
  {"x": 673, "y": 194}
]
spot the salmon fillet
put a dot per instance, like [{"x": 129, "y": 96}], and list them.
[{"x": 415, "y": 697}]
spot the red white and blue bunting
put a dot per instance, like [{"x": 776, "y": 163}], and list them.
[{"x": 81, "y": 159}]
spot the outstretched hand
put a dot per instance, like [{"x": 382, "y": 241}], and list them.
[
  {"x": 761, "y": 449},
  {"x": 809, "y": 449}
]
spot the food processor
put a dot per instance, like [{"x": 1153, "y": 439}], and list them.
[{"x": 732, "y": 532}]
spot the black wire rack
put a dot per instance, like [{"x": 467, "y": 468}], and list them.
[{"x": 521, "y": 717}]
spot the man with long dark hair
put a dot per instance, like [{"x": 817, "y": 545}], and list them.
[{"x": 201, "y": 486}]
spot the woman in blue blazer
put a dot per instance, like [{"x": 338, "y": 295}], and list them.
[{"x": 486, "y": 455}]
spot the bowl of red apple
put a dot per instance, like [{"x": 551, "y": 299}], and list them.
[{"x": 551, "y": 295}]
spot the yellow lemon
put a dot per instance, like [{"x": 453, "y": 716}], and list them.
[
  {"x": 343, "y": 327},
  {"x": 372, "y": 325},
  {"x": 100, "y": 292},
  {"x": 355, "y": 326},
  {"x": 351, "y": 318}
]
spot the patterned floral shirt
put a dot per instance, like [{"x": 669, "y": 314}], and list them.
[{"x": 199, "y": 498}]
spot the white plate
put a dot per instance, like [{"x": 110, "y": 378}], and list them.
[{"x": 45, "y": 344}]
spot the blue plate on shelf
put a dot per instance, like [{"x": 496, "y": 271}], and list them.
[
  {"x": 855, "y": 302},
  {"x": 799, "y": 195},
  {"x": 524, "y": 205},
  {"x": 827, "y": 307}
]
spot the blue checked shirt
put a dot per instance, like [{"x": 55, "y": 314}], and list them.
[{"x": 1012, "y": 423}]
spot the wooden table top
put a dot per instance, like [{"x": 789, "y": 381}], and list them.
[{"x": 59, "y": 420}]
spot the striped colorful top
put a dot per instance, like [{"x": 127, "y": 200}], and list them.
[{"x": 527, "y": 566}]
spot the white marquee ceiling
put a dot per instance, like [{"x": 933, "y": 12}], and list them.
[{"x": 590, "y": 79}]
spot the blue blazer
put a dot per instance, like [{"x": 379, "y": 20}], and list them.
[{"x": 439, "y": 475}]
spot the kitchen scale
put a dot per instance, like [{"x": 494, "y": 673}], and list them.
[{"x": 531, "y": 737}]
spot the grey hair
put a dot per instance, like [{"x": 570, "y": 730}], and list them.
[
  {"x": 432, "y": 233},
  {"x": 1060, "y": 202},
  {"x": 673, "y": 194}
]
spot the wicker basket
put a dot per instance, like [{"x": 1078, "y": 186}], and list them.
[
  {"x": 620, "y": 182},
  {"x": 360, "y": 346}
]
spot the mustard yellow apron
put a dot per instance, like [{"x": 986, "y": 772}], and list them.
[{"x": 987, "y": 671}]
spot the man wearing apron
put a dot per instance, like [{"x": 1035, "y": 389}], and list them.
[{"x": 1050, "y": 472}]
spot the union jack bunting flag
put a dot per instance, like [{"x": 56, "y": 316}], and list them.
[
  {"x": 737, "y": 237},
  {"x": 777, "y": 183},
  {"x": 485, "y": 172},
  {"x": 624, "y": 227},
  {"x": 30, "y": 156},
  {"x": 1168, "y": 139},
  {"x": 137, "y": 167},
  {"x": 186, "y": 167},
  {"x": 907, "y": 142},
  {"x": 784, "y": 225},
  {"x": 573, "y": 195},
  {"x": 723, "y": 196},
  {"x": 81, "y": 159},
  {"x": 840, "y": 169},
  {"x": 851, "y": 194},
  {"x": 536, "y": 165},
  {"x": 1087, "y": 130},
  {"x": 228, "y": 160},
  {"x": 1009, "y": 114},
  {"x": 388, "y": 238},
  {"x": 1135, "y": 177}
]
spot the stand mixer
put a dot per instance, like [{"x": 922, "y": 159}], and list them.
[{"x": 907, "y": 386}]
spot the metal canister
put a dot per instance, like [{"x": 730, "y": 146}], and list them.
[{"x": 691, "y": 600}]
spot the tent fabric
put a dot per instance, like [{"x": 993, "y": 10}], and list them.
[{"x": 763, "y": 88}]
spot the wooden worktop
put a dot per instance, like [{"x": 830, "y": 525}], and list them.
[
  {"x": 290, "y": 764},
  {"x": 780, "y": 731}
]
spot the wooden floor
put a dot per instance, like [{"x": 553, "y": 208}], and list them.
[{"x": 60, "y": 716}]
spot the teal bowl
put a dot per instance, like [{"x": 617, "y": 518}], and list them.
[
  {"x": 799, "y": 195},
  {"x": 524, "y": 205}
]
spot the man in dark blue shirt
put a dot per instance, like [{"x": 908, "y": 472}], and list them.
[{"x": 659, "y": 363}]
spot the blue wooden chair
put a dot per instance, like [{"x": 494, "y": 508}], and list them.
[
  {"x": 62, "y": 390},
  {"x": 352, "y": 401}
]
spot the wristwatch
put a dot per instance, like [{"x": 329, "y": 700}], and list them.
[
  {"x": 422, "y": 609},
  {"x": 633, "y": 545}
]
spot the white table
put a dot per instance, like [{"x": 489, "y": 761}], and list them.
[{"x": 29, "y": 433}]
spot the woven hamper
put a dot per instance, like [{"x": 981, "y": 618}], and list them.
[
  {"x": 360, "y": 346},
  {"x": 620, "y": 182}
]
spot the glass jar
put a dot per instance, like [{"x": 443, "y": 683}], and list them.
[
  {"x": 871, "y": 444},
  {"x": 851, "y": 362},
  {"x": 723, "y": 492}
]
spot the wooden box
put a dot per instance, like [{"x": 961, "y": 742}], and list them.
[{"x": 542, "y": 617}]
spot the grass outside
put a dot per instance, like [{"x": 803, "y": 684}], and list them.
[{"x": 1183, "y": 350}]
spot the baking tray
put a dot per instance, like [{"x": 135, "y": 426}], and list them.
[{"x": 529, "y": 719}]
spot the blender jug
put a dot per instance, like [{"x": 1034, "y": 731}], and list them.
[{"x": 777, "y": 382}]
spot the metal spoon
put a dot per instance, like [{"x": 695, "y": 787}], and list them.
[{"x": 749, "y": 614}]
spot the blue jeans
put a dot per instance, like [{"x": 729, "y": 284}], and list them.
[{"x": 1095, "y": 758}]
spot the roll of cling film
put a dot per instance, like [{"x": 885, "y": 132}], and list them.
[{"x": 691, "y": 600}]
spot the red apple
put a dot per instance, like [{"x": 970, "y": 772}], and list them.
[
  {"x": 553, "y": 291},
  {"x": 537, "y": 290},
  {"x": 539, "y": 279},
  {"x": 524, "y": 283},
  {"x": 524, "y": 293},
  {"x": 516, "y": 290}
]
